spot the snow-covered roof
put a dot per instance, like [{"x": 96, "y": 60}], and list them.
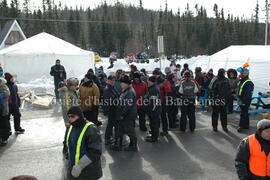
[
  {"x": 10, "y": 26},
  {"x": 43, "y": 44},
  {"x": 243, "y": 53}
]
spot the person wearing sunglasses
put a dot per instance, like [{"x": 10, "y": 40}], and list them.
[{"x": 84, "y": 144}]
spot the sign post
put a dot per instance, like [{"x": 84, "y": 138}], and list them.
[{"x": 160, "y": 48}]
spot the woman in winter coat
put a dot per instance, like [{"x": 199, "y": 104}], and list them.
[
  {"x": 234, "y": 81},
  {"x": 5, "y": 130},
  {"x": 14, "y": 103}
]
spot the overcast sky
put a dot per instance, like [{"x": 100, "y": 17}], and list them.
[{"x": 236, "y": 7}]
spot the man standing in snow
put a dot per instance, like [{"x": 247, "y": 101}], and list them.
[{"x": 59, "y": 73}]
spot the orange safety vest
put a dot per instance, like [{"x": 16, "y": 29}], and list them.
[{"x": 259, "y": 163}]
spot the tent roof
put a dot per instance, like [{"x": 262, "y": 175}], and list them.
[
  {"x": 7, "y": 29},
  {"x": 243, "y": 53},
  {"x": 43, "y": 44}
]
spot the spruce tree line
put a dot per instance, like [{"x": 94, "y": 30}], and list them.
[{"x": 131, "y": 29}]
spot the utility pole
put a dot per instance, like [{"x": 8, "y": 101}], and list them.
[{"x": 266, "y": 21}]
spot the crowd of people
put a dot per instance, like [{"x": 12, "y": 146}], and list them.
[{"x": 124, "y": 97}]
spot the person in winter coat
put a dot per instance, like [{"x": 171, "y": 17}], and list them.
[
  {"x": 5, "y": 130},
  {"x": 245, "y": 91},
  {"x": 59, "y": 73},
  {"x": 220, "y": 92},
  {"x": 172, "y": 107},
  {"x": 208, "y": 78},
  {"x": 199, "y": 77},
  {"x": 111, "y": 96},
  {"x": 144, "y": 76},
  {"x": 100, "y": 70},
  {"x": 178, "y": 72},
  {"x": 118, "y": 75},
  {"x": 95, "y": 79},
  {"x": 140, "y": 88},
  {"x": 234, "y": 81},
  {"x": 188, "y": 89},
  {"x": 173, "y": 66},
  {"x": 89, "y": 98},
  {"x": 252, "y": 157},
  {"x": 14, "y": 103},
  {"x": 68, "y": 98},
  {"x": 186, "y": 68},
  {"x": 165, "y": 91},
  {"x": 167, "y": 72},
  {"x": 128, "y": 114},
  {"x": 153, "y": 109},
  {"x": 133, "y": 69},
  {"x": 84, "y": 144}
]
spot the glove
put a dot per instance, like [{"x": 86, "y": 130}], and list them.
[
  {"x": 260, "y": 93},
  {"x": 77, "y": 169}
]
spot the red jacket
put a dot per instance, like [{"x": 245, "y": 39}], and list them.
[
  {"x": 140, "y": 89},
  {"x": 164, "y": 88}
]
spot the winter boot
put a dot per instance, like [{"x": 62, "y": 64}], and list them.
[
  {"x": 20, "y": 131},
  {"x": 150, "y": 139},
  {"x": 117, "y": 146},
  {"x": 132, "y": 146}
]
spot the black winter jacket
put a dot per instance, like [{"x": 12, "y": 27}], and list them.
[
  {"x": 59, "y": 73},
  {"x": 93, "y": 145},
  {"x": 153, "y": 106},
  {"x": 219, "y": 88},
  {"x": 242, "y": 159},
  {"x": 111, "y": 96},
  {"x": 128, "y": 104},
  {"x": 14, "y": 100},
  {"x": 246, "y": 95}
]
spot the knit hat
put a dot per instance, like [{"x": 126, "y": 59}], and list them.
[
  {"x": 185, "y": 65},
  {"x": 75, "y": 110},
  {"x": 125, "y": 79},
  {"x": 263, "y": 124},
  {"x": 137, "y": 75},
  {"x": 187, "y": 74},
  {"x": 8, "y": 76},
  {"x": 72, "y": 82},
  {"x": 156, "y": 72},
  {"x": 152, "y": 79}
]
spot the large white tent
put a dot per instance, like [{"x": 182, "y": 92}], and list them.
[
  {"x": 258, "y": 57},
  {"x": 32, "y": 58}
]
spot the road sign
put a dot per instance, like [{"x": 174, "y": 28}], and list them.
[{"x": 160, "y": 45}]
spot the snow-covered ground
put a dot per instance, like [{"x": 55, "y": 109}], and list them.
[{"x": 45, "y": 84}]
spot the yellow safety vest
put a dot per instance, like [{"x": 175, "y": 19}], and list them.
[
  {"x": 241, "y": 88},
  {"x": 79, "y": 142}
]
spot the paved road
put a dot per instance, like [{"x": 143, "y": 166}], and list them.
[{"x": 202, "y": 155}]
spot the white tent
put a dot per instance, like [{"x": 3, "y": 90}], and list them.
[
  {"x": 32, "y": 58},
  {"x": 234, "y": 57}
]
